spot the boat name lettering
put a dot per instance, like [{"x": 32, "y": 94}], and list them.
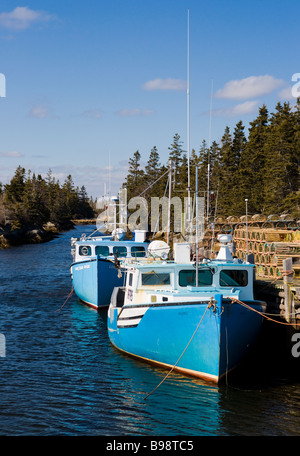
[{"x": 86, "y": 266}]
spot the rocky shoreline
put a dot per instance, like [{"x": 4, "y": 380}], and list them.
[{"x": 30, "y": 234}]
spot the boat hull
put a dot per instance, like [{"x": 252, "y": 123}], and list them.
[
  {"x": 94, "y": 280},
  {"x": 193, "y": 338}
]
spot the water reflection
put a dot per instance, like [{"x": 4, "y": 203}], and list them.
[{"x": 180, "y": 405}]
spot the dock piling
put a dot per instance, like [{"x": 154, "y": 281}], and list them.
[{"x": 288, "y": 296}]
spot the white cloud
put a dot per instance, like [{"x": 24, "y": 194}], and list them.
[
  {"x": 251, "y": 87},
  {"x": 12, "y": 153},
  {"x": 248, "y": 107},
  {"x": 92, "y": 114},
  {"x": 40, "y": 112},
  {"x": 22, "y": 17},
  {"x": 135, "y": 112},
  {"x": 286, "y": 94},
  {"x": 165, "y": 84}
]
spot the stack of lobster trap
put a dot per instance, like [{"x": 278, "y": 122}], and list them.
[
  {"x": 270, "y": 240},
  {"x": 270, "y": 246}
]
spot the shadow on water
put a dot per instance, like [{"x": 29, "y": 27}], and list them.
[{"x": 270, "y": 362}]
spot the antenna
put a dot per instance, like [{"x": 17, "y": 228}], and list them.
[
  {"x": 109, "y": 176},
  {"x": 246, "y": 201},
  {"x": 188, "y": 116},
  {"x": 209, "y": 141}
]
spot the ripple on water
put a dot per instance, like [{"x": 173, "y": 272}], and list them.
[{"x": 61, "y": 376}]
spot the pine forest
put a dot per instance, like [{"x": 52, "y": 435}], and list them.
[{"x": 262, "y": 167}]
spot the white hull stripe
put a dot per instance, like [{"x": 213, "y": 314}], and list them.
[{"x": 130, "y": 316}]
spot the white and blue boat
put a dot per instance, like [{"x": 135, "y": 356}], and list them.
[
  {"x": 200, "y": 319},
  {"x": 95, "y": 269}
]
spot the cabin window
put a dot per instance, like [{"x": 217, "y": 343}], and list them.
[
  {"x": 120, "y": 251},
  {"x": 138, "y": 251},
  {"x": 233, "y": 278},
  {"x": 85, "y": 250},
  {"x": 187, "y": 277},
  {"x": 153, "y": 278},
  {"x": 102, "y": 250},
  {"x": 130, "y": 279}
]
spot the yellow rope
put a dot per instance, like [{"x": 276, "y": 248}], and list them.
[
  {"x": 68, "y": 297},
  {"x": 262, "y": 314},
  {"x": 171, "y": 370},
  {"x": 210, "y": 304}
]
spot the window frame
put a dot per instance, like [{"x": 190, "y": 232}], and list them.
[
  {"x": 246, "y": 276},
  {"x": 81, "y": 247},
  {"x": 136, "y": 253},
  {"x": 116, "y": 247},
  {"x": 152, "y": 274},
  {"x": 97, "y": 247},
  {"x": 194, "y": 282}
]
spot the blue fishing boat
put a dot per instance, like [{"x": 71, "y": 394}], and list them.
[
  {"x": 198, "y": 318},
  {"x": 95, "y": 269}
]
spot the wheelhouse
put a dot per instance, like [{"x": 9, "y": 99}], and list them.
[
  {"x": 171, "y": 280},
  {"x": 85, "y": 250}
]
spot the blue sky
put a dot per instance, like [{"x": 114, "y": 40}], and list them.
[{"x": 89, "y": 83}]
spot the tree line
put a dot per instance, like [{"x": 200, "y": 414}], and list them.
[
  {"x": 262, "y": 167},
  {"x": 30, "y": 199}
]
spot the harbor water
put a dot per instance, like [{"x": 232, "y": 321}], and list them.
[{"x": 60, "y": 376}]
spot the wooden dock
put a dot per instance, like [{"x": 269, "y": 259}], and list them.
[
  {"x": 282, "y": 296},
  {"x": 274, "y": 247}
]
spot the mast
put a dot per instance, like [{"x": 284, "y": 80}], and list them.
[
  {"x": 196, "y": 241},
  {"x": 169, "y": 200}
]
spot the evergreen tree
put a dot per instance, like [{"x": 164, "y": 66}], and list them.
[
  {"x": 175, "y": 155},
  {"x": 280, "y": 167},
  {"x": 203, "y": 160},
  {"x": 15, "y": 189},
  {"x": 227, "y": 169},
  {"x": 134, "y": 179},
  {"x": 33, "y": 200},
  {"x": 238, "y": 148},
  {"x": 34, "y": 197},
  {"x": 252, "y": 164},
  {"x": 152, "y": 169}
]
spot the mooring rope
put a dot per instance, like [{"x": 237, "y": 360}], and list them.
[
  {"x": 261, "y": 313},
  {"x": 68, "y": 297},
  {"x": 210, "y": 304}
]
